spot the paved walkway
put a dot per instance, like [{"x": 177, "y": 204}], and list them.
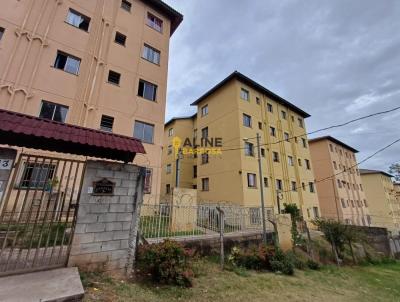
[{"x": 57, "y": 285}]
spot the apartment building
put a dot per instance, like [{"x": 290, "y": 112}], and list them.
[
  {"x": 382, "y": 196},
  {"x": 233, "y": 112},
  {"x": 339, "y": 186},
  {"x": 98, "y": 64}
]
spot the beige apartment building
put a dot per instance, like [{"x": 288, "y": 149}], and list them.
[
  {"x": 100, "y": 64},
  {"x": 340, "y": 188},
  {"x": 383, "y": 199},
  {"x": 233, "y": 112}
]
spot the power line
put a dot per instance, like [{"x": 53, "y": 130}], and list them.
[{"x": 323, "y": 129}]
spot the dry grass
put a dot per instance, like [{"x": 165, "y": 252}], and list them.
[{"x": 364, "y": 283}]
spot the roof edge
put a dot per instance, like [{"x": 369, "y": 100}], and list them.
[
  {"x": 334, "y": 140},
  {"x": 175, "y": 17},
  {"x": 180, "y": 118},
  {"x": 246, "y": 80},
  {"x": 370, "y": 171}
]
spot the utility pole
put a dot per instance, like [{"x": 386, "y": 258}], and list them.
[
  {"x": 261, "y": 190},
  {"x": 178, "y": 168}
]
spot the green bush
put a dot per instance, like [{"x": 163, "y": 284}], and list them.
[
  {"x": 256, "y": 258},
  {"x": 311, "y": 264},
  {"x": 167, "y": 262},
  {"x": 296, "y": 261},
  {"x": 284, "y": 266}
]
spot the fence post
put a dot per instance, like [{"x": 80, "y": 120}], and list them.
[{"x": 221, "y": 235}]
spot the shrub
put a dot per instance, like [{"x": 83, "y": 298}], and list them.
[
  {"x": 296, "y": 261},
  {"x": 282, "y": 263},
  {"x": 167, "y": 262},
  {"x": 311, "y": 264},
  {"x": 256, "y": 258}
]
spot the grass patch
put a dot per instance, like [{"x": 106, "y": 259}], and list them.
[{"x": 362, "y": 283}]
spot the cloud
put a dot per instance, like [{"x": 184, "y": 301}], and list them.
[{"x": 337, "y": 60}]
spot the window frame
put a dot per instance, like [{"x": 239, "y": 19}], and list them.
[
  {"x": 248, "y": 117},
  {"x": 113, "y": 73},
  {"x": 205, "y": 184},
  {"x": 152, "y": 126},
  {"x": 204, "y": 110},
  {"x": 152, "y": 51},
  {"x": 126, "y": 5},
  {"x": 117, "y": 33},
  {"x": 54, "y": 111},
  {"x": 68, "y": 56},
  {"x": 82, "y": 16},
  {"x": 151, "y": 23},
  {"x": 249, "y": 149},
  {"x": 252, "y": 184},
  {"x": 2, "y": 31},
  {"x": 144, "y": 82},
  {"x": 41, "y": 172},
  {"x": 104, "y": 128},
  {"x": 244, "y": 94}
]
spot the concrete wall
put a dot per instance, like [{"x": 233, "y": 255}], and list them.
[{"x": 106, "y": 226}]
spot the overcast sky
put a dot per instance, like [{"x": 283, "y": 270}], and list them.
[{"x": 337, "y": 60}]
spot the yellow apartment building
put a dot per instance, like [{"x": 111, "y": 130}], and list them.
[
  {"x": 340, "y": 188},
  {"x": 96, "y": 63},
  {"x": 233, "y": 112},
  {"x": 382, "y": 196}
]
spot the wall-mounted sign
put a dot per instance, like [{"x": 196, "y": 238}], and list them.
[
  {"x": 5, "y": 164},
  {"x": 103, "y": 187}
]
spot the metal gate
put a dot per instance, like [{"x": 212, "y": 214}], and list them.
[{"x": 38, "y": 213}]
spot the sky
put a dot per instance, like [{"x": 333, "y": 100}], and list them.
[{"x": 337, "y": 60}]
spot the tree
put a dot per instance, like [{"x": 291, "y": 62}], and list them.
[
  {"x": 394, "y": 169},
  {"x": 294, "y": 211}
]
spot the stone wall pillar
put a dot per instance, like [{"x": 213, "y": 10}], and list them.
[
  {"x": 284, "y": 226},
  {"x": 106, "y": 227},
  {"x": 7, "y": 160}
]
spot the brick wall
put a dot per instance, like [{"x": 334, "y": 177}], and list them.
[{"x": 106, "y": 225}]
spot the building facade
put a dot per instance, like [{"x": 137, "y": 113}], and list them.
[
  {"x": 98, "y": 64},
  {"x": 233, "y": 112},
  {"x": 340, "y": 188},
  {"x": 382, "y": 196}
]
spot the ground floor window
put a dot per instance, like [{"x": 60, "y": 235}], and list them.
[{"x": 37, "y": 176}]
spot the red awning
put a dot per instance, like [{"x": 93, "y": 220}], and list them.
[{"x": 17, "y": 129}]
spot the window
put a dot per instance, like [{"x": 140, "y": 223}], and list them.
[
  {"x": 290, "y": 160},
  {"x": 37, "y": 175},
  {"x": 144, "y": 132},
  {"x": 120, "y": 38},
  {"x": 308, "y": 166},
  {"x": 204, "y": 132},
  {"x": 53, "y": 112},
  {"x": 294, "y": 186},
  {"x": 286, "y": 135},
  {"x": 300, "y": 120},
  {"x": 126, "y": 5},
  {"x": 1, "y": 32},
  {"x": 106, "y": 123},
  {"x": 168, "y": 169},
  {"x": 260, "y": 125},
  {"x": 283, "y": 113},
  {"x": 78, "y": 20},
  {"x": 244, "y": 94},
  {"x": 194, "y": 171},
  {"x": 204, "y": 110},
  {"x": 114, "y": 77},
  {"x": 257, "y": 100},
  {"x": 275, "y": 157},
  {"x": 335, "y": 165},
  {"x": 361, "y": 187},
  {"x": 365, "y": 203},
  {"x": 331, "y": 147},
  {"x": 303, "y": 140},
  {"x": 168, "y": 189},
  {"x": 311, "y": 185},
  {"x": 169, "y": 150},
  {"x": 352, "y": 203},
  {"x": 272, "y": 131},
  {"x": 204, "y": 158},
  {"x": 154, "y": 22},
  {"x": 246, "y": 120},
  {"x": 255, "y": 216},
  {"x": 67, "y": 63},
  {"x": 279, "y": 184},
  {"x": 303, "y": 185},
  {"x": 316, "y": 213},
  {"x": 299, "y": 161},
  {"x": 262, "y": 152},
  {"x": 205, "y": 184},
  {"x": 343, "y": 203},
  {"x": 147, "y": 90},
  {"x": 265, "y": 182},
  {"x": 170, "y": 132},
  {"x": 248, "y": 149},
  {"x": 251, "y": 180},
  {"x": 270, "y": 108},
  {"x": 151, "y": 54},
  {"x": 339, "y": 183},
  {"x": 147, "y": 181}
]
